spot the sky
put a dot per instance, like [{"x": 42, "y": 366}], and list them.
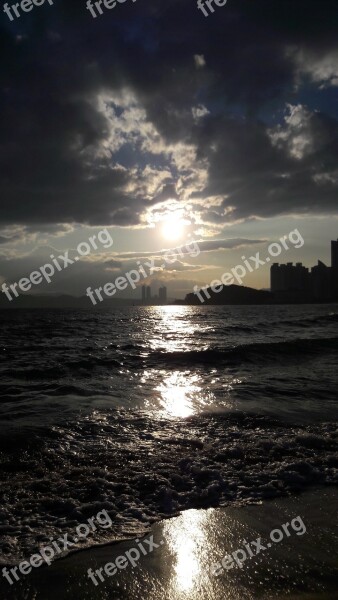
[{"x": 166, "y": 127}]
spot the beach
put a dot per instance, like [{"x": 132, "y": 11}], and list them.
[{"x": 302, "y": 567}]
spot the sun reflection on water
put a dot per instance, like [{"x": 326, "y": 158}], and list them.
[
  {"x": 173, "y": 329},
  {"x": 182, "y": 386},
  {"x": 189, "y": 544},
  {"x": 180, "y": 392}
]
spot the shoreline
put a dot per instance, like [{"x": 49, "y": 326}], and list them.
[{"x": 180, "y": 567}]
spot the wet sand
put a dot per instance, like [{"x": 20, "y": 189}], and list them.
[{"x": 302, "y": 567}]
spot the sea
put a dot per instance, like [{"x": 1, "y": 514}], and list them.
[{"x": 148, "y": 411}]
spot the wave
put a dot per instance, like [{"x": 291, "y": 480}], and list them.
[
  {"x": 139, "y": 357},
  {"x": 319, "y": 319},
  {"x": 141, "y": 470},
  {"x": 249, "y": 353}
]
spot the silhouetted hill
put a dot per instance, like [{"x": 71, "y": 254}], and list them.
[{"x": 231, "y": 294}]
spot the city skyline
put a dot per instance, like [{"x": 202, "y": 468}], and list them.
[
  {"x": 147, "y": 298},
  {"x": 320, "y": 282},
  {"x": 288, "y": 281}
]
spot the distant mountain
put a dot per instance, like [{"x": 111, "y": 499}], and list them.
[
  {"x": 230, "y": 294},
  {"x": 63, "y": 301}
]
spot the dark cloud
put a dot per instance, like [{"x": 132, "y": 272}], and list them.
[
  {"x": 261, "y": 171},
  {"x": 10, "y": 239},
  {"x": 112, "y": 264}
]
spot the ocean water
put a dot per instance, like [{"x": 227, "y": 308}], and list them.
[{"x": 147, "y": 411}]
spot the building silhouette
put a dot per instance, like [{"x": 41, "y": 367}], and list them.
[
  {"x": 289, "y": 277},
  {"x": 320, "y": 280},
  {"x": 334, "y": 268},
  {"x": 148, "y": 299},
  {"x": 297, "y": 283},
  {"x": 334, "y": 255},
  {"x": 146, "y": 294},
  {"x": 162, "y": 294}
]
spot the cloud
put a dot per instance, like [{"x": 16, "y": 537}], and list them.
[
  {"x": 199, "y": 61},
  {"x": 321, "y": 68},
  {"x": 142, "y": 109},
  {"x": 190, "y": 247},
  {"x": 212, "y": 245},
  {"x": 295, "y": 136}
]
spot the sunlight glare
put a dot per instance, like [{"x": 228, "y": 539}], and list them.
[
  {"x": 188, "y": 543},
  {"x": 173, "y": 227}
]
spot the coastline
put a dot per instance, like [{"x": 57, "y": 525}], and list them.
[{"x": 300, "y": 567}]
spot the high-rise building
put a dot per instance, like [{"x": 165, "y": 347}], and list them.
[
  {"x": 162, "y": 293},
  {"x": 302, "y": 278},
  {"x": 334, "y": 255},
  {"x": 148, "y": 293},
  {"x": 297, "y": 283},
  {"x": 143, "y": 294},
  {"x": 321, "y": 281},
  {"x": 289, "y": 278},
  {"x": 276, "y": 279},
  {"x": 334, "y": 269}
]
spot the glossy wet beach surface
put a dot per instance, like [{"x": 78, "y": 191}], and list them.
[{"x": 302, "y": 566}]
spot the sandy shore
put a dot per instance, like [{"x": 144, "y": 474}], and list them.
[{"x": 298, "y": 567}]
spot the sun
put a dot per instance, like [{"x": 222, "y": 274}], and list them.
[{"x": 173, "y": 227}]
